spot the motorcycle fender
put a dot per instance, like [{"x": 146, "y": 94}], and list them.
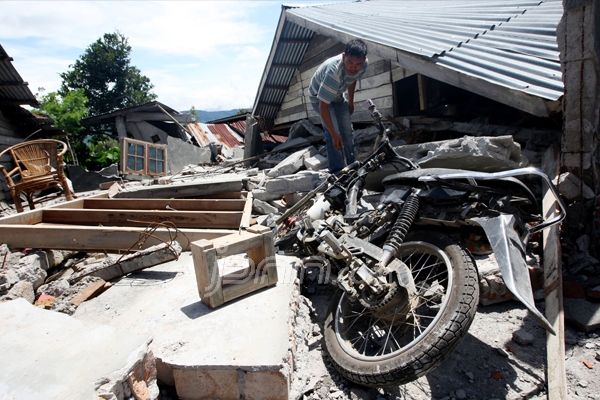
[{"x": 510, "y": 253}]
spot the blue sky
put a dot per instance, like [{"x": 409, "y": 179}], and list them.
[{"x": 206, "y": 54}]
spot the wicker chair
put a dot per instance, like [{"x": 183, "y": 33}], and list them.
[{"x": 39, "y": 165}]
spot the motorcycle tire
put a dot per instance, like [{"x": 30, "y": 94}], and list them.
[{"x": 414, "y": 333}]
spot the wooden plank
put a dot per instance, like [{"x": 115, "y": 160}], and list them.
[
  {"x": 555, "y": 345},
  {"x": 237, "y": 243},
  {"x": 422, "y": 92},
  {"x": 183, "y": 219},
  {"x": 233, "y": 291},
  {"x": 90, "y": 291},
  {"x": 247, "y": 215},
  {"x": 31, "y": 217},
  {"x": 183, "y": 190},
  {"x": 77, "y": 203},
  {"x": 94, "y": 238},
  {"x": 207, "y": 273},
  {"x": 162, "y": 204}
]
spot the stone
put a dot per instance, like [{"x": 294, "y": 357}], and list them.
[
  {"x": 31, "y": 273},
  {"x": 523, "y": 337},
  {"x": 37, "y": 259},
  {"x": 487, "y": 154},
  {"x": 573, "y": 188},
  {"x": 582, "y": 314},
  {"x": 21, "y": 289},
  {"x": 289, "y": 184},
  {"x": 54, "y": 288},
  {"x": 293, "y": 163},
  {"x": 263, "y": 207},
  {"x": 316, "y": 163},
  {"x": 304, "y": 129}
]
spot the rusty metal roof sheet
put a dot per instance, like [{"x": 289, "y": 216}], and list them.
[{"x": 214, "y": 133}]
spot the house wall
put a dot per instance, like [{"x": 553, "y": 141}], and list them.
[
  {"x": 376, "y": 84},
  {"x": 9, "y": 136},
  {"x": 578, "y": 37},
  {"x": 144, "y": 131}
]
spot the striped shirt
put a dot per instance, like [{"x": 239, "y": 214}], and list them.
[{"x": 330, "y": 81}]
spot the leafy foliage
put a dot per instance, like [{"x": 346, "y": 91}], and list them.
[
  {"x": 67, "y": 111},
  {"x": 106, "y": 76}
]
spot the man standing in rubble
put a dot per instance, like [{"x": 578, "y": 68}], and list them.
[{"x": 326, "y": 93}]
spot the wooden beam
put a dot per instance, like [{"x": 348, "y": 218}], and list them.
[
  {"x": 555, "y": 345},
  {"x": 166, "y": 204},
  {"x": 181, "y": 219},
  {"x": 94, "y": 238},
  {"x": 422, "y": 92}
]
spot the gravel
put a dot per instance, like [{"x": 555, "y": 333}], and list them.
[{"x": 502, "y": 357}]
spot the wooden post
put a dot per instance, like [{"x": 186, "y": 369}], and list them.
[
  {"x": 252, "y": 140},
  {"x": 555, "y": 345}
]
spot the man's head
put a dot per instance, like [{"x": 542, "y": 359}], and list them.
[{"x": 354, "y": 56}]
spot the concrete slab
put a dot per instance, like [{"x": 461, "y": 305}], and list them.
[
  {"x": 50, "y": 355},
  {"x": 235, "y": 350}
]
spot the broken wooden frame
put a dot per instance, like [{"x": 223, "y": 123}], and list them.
[
  {"x": 119, "y": 225},
  {"x": 143, "y": 158},
  {"x": 215, "y": 287}
]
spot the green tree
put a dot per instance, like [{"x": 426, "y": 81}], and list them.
[
  {"x": 106, "y": 76},
  {"x": 67, "y": 111},
  {"x": 243, "y": 111}
]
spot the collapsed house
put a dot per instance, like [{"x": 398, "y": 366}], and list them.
[{"x": 478, "y": 85}]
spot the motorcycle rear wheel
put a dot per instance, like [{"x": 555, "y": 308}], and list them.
[{"x": 415, "y": 332}]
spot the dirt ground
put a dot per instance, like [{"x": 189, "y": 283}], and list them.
[{"x": 488, "y": 364}]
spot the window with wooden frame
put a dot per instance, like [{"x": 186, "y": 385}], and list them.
[{"x": 143, "y": 158}]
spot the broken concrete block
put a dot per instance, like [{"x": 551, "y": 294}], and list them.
[
  {"x": 87, "y": 355},
  {"x": 293, "y": 163},
  {"x": 31, "y": 273},
  {"x": 55, "y": 288},
  {"x": 265, "y": 195},
  {"x": 582, "y": 314},
  {"x": 487, "y": 154},
  {"x": 115, "y": 267},
  {"x": 21, "y": 289},
  {"x": 38, "y": 259},
  {"x": 304, "y": 129},
  {"x": 573, "y": 188},
  {"x": 290, "y": 184},
  {"x": 85, "y": 181},
  {"x": 263, "y": 207},
  {"x": 316, "y": 163}
]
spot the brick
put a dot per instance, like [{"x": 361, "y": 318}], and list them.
[
  {"x": 202, "y": 384},
  {"x": 266, "y": 385}
]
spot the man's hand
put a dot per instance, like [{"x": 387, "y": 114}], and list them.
[{"x": 338, "y": 142}]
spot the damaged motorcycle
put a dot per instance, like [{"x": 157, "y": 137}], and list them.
[{"x": 408, "y": 286}]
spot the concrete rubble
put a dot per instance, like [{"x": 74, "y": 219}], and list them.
[{"x": 105, "y": 289}]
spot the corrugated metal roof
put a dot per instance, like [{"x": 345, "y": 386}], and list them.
[
  {"x": 508, "y": 43},
  {"x": 13, "y": 90},
  {"x": 214, "y": 133},
  {"x": 511, "y": 43}
]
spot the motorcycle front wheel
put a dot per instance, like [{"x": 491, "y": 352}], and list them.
[{"x": 413, "y": 333}]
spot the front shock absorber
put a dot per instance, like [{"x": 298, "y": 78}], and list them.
[{"x": 401, "y": 226}]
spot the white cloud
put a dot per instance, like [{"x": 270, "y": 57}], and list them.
[{"x": 209, "y": 54}]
